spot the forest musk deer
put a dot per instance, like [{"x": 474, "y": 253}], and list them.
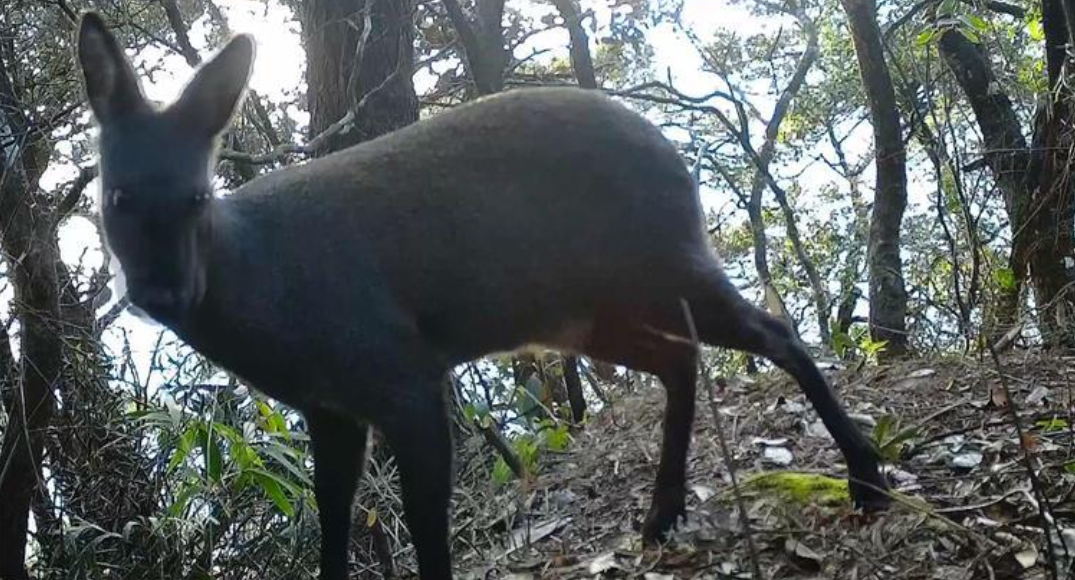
[{"x": 348, "y": 286}]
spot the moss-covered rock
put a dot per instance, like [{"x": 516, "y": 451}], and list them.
[{"x": 800, "y": 488}]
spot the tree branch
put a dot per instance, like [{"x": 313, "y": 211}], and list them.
[
  {"x": 581, "y": 61},
  {"x": 179, "y": 27},
  {"x": 463, "y": 28},
  {"x": 74, "y": 194}
]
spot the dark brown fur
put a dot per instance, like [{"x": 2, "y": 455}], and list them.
[{"x": 347, "y": 287}]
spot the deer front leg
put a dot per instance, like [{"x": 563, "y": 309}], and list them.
[{"x": 339, "y": 446}]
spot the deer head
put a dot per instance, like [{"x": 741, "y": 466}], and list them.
[{"x": 156, "y": 166}]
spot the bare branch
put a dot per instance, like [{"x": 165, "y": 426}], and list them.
[
  {"x": 74, "y": 194},
  {"x": 175, "y": 20},
  {"x": 316, "y": 144},
  {"x": 462, "y": 26},
  {"x": 106, "y": 319},
  {"x": 581, "y": 60}
]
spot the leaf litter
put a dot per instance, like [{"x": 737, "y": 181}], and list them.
[{"x": 965, "y": 507}]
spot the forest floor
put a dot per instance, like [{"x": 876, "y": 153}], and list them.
[{"x": 967, "y": 507}]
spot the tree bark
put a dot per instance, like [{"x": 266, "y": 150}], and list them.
[
  {"x": 581, "y": 61},
  {"x": 888, "y": 297},
  {"x": 573, "y": 383},
  {"x": 359, "y": 60},
  {"x": 32, "y": 251},
  {"x": 1051, "y": 216},
  {"x": 1032, "y": 180},
  {"x": 482, "y": 38},
  {"x": 1007, "y": 155},
  {"x": 8, "y": 379}
]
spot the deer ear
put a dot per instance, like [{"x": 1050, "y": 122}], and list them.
[
  {"x": 217, "y": 89},
  {"x": 111, "y": 85}
]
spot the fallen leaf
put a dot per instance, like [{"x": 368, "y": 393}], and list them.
[
  {"x": 1027, "y": 557},
  {"x": 863, "y": 419},
  {"x": 776, "y": 442},
  {"x": 1039, "y": 394},
  {"x": 793, "y": 407},
  {"x": 703, "y": 492},
  {"x": 967, "y": 460},
  {"x": 902, "y": 478},
  {"x": 802, "y": 554},
  {"x": 603, "y": 563},
  {"x": 525, "y": 535},
  {"x": 777, "y": 456},
  {"x": 563, "y": 497},
  {"x": 817, "y": 430},
  {"x": 1030, "y": 442},
  {"x": 998, "y": 397}
]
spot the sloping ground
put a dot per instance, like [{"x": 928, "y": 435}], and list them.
[{"x": 969, "y": 509}]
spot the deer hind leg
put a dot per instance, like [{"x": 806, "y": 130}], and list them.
[
  {"x": 418, "y": 431},
  {"x": 640, "y": 339},
  {"x": 723, "y": 318}
]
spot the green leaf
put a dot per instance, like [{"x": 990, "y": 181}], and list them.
[
  {"x": 558, "y": 439},
  {"x": 273, "y": 420},
  {"x": 227, "y": 431},
  {"x": 273, "y": 489},
  {"x": 243, "y": 455},
  {"x": 925, "y": 37},
  {"x": 1052, "y": 425},
  {"x": 502, "y": 474},
  {"x": 282, "y": 456},
  {"x": 212, "y": 454},
  {"x": 889, "y": 438},
  {"x": 1035, "y": 29},
  {"x": 1005, "y": 278},
  {"x": 842, "y": 342},
  {"x": 975, "y": 21},
  {"x": 182, "y": 450},
  {"x": 186, "y": 492}
]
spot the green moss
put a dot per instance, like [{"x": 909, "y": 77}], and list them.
[{"x": 800, "y": 488}]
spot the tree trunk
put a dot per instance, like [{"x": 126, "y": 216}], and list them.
[
  {"x": 30, "y": 244},
  {"x": 573, "y": 382},
  {"x": 359, "y": 59},
  {"x": 581, "y": 61},
  {"x": 1051, "y": 216},
  {"x": 1032, "y": 180},
  {"x": 1007, "y": 155},
  {"x": 888, "y": 298},
  {"x": 482, "y": 38}
]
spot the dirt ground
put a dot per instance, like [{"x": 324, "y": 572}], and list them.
[{"x": 967, "y": 505}]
